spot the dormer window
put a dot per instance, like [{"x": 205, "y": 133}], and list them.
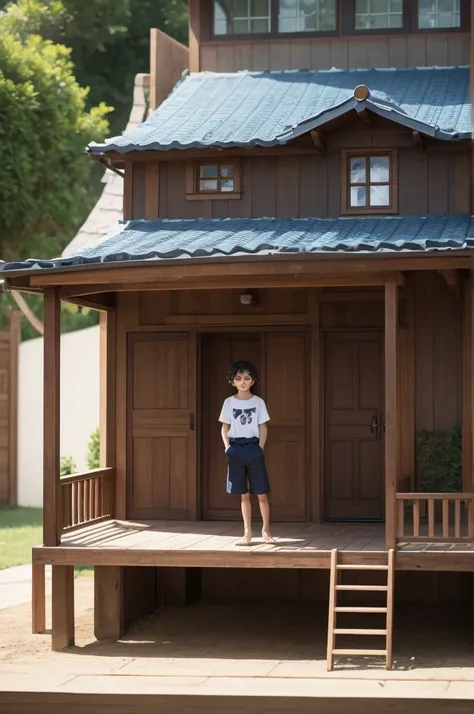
[
  {"x": 369, "y": 182},
  {"x": 438, "y": 14}
]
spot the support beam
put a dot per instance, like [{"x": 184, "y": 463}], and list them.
[
  {"x": 319, "y": 140},
  {"x": 467, "y": 431},
  {"x": 62, "y": 607},
  {"x": 468, "y": 481},
  {"x": 108, "y": 602},
  {"x": 453, "y": 281},
  {"x": 107, "y": 389},
  {"x": 391, "y": 410},
  {"x": 38, "y": 598},
  {"x": 51, "y": 453}
]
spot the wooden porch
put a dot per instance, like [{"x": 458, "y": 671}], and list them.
[{"x": 212, "y": 544}]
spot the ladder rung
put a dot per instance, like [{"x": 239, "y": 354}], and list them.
[
  {"x": 361, "y": 609},
  {"x": 345, "y": 631},
  {"x": 362, "y": 587},
  {"x": 374, "y": 653},
  {"x": 362, "y": 567}
]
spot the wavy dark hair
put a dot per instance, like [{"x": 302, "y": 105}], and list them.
[{"x": 242, "y": 365}]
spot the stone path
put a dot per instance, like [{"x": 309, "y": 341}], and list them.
[{"x": 15, "y": 585}]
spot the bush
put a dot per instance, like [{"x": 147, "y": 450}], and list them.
[
  {"x": 67, "y": 466},
  {"x": 439, "y": 461},
  {"x": 93, "y": 454}
]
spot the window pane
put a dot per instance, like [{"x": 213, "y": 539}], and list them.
[
  {"x": 357, "y": 171},
  {"x": 379, "y": 169},
  {"x": 439, "y": 13},
  {"x": 236, "y": 17},
  {"x": 227, "y": 170},
  {"x": 227, "y": 185},
  {"x": 358, "y": 196},
  {"x": 380, "y": 195},
  {"x": 378, "y": 14},
  {"x": 208, "y": 185},
  {"x": 306, "y": 15},
  {"x": 209, "y": 171}
]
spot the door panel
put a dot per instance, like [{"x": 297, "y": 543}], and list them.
[
  {"x": 353, "y": 426},
  {"x": 282, "y": 373},
  {"x": 162, "y": 440},
  {"x": 217, "y": 354}
]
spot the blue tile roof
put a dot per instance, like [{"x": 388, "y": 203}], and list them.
[
  {"x": 247, "y": 109},
  {"x": 169, "y": 239}
]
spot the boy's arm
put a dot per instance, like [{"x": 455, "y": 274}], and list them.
[
  {"x": 262, "y": 433},
  {"x": 224, "y": 433}
]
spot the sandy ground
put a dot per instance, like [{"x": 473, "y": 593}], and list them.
[{"x": 216, "y": 647}]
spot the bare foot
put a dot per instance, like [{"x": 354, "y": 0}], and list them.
[
  {"x": 267, "y": 537},
  {"x": 247, "y": 537}
]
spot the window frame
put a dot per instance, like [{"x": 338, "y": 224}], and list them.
[
  {"x": 410, "y": 21},
  {"x": 193, "y": 175},
  {"x": 346, "y": 208},
  {"x": 274, "y": 34}
]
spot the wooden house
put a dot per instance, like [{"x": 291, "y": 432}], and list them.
[{"x": 301, "y": 198}]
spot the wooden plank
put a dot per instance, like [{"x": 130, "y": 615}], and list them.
[
  {"x": 467, "y": 427},
  {"x": 15, "y": 337},
  {"x": 391, "y": 410},
  {"x": 108, "y": 602},
  {"x": 315, "y": 403},
  {"x": 52, "y": 520},
  {"x": 107, "y": 388},
  {"x": 349, "y": 269},
  {"x": 128, "y": 191},
  {"x": 469, "y": 480},
  {"x": 152, "y": 190},
  {"x": 38, "y": 598},
  {"x": 62, "y": 607}
]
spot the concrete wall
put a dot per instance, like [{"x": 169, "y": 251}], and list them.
[{"x": 79, "y": 407}]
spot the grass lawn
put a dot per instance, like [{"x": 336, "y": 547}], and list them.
[{"x": 20, "y": 530}]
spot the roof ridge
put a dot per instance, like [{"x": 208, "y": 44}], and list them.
[{"x": 331, "y": 70}]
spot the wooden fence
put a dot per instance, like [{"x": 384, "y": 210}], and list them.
[{"x": 435, "y": 517}]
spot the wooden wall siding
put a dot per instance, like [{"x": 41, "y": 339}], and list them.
[
  {"x": 430, "y": 589},
  {"x": 431, "y": 181},
  {"x": 438, "y": 353},
  {"x": 139, "y": 190},
  {"x": 343, "y": 53},
  {"x": 168, "y": 60}
]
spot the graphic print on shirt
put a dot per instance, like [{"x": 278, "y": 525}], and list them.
[{"x": 244, "y": 414}]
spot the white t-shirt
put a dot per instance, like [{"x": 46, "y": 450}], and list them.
[{"x": 244, "y": 416}]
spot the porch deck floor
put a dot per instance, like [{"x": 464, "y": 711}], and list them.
[{"x": 216, "y": 544}]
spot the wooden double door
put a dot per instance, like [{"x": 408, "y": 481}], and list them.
[
  {"x": 354, "y": 426},
  {"x": 280, "y": 358}
]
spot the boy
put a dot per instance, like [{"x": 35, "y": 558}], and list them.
[{"x": 244, "y": 418}]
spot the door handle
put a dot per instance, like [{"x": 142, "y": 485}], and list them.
[
  {"x": 191, "y": 421},
  {"x": 374, "y": 425}
]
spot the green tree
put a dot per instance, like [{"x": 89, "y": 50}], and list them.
[{"x": 44, "y": 127}]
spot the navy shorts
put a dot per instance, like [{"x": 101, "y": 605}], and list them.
[{"x": 246, "y": 472}]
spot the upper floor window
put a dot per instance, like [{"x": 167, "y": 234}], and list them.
[
  {"x": 241, "y": 17},
  {"x": 369, "y": 182},
  {"x": 434, "y": 14},
  {"x": 378, "y": 14},
  {"x": 212, "y": 179},
  {"x": 264, "y": 17},
  {"x": 306, "y": 15}
]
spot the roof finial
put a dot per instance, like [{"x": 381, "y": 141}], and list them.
[{"x": 361, "y": 93}]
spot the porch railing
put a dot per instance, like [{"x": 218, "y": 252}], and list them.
[
  {"x": 87, "y": 498},
  {"x": 435, "y": 517}
]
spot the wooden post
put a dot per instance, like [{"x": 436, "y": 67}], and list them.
[
  {"x": 391, "y": 410},
  {"x": 108, "y": 602},
  {"x": 467, "y": 432},
  {"x": 107, "y": 388},
  {"x": 38, "y": 587},
  {"x": 15, "y": 336},
  {"x": 51, "y": 453},
  {"x": 62, "y": 607}
]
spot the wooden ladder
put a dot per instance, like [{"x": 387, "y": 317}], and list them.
[{"x": 335, "y": 586}]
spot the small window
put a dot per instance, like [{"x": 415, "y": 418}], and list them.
[
  {"x": 438, "y": 14},
  {"x": 378, "y": 14},
  {"x": 213, "y": 180},
  {"x": 307, "y": 15},
  {"x": 242, "y": 17},
  {"x": 369, "y": 183}
]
